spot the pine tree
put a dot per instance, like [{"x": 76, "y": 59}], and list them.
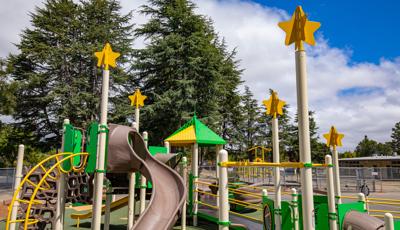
[
  {"x": 183, "y": 68},
  {"x": 250, "y": 128},
  {"x": 366, "y": 147},
  {"x": 318, "y": 149},
  {"x": 396, "y": 138},
  {"x": 7, "y": 90},
  {"x": 56, "y": 71}
]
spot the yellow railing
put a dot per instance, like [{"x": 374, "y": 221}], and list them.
[
  {"x": 42, "y": 184},
  {"x": 268, "y": 164}
]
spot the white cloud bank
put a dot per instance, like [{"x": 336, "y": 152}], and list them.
[{"x": 358, "y": 98}]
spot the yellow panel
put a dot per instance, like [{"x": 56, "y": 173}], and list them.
[{"x": 185, "y": 136}]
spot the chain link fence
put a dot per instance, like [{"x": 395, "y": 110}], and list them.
[{"x": 7, "y": 179}]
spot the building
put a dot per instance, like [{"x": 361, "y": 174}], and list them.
[{"x": 371, "y": 162}]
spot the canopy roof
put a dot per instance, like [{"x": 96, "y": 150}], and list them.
[{"x": 194, "y": 131}]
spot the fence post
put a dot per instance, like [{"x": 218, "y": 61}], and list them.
[
  {"x": 295, "y": 207},
  {"x": 389, "y": 223},
  {"x": 184, "y": 172},
  {"x": 143, "y": 182},
  {"x": 332, "y": 216},
  {"x": 223, "y": 216},
  {"x": 18, "y": 177}
]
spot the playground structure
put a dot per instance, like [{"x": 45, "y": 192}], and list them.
[{"x": 118, "y": 157}]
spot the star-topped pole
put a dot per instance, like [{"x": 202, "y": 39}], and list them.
[
  {"x": 105, "y": 59},
  {"x": 137, "y": 100},
  {"x": 333, "y": 139},
  {"x": 298, "y": 30},
  {"x": 274, "y": 107}
]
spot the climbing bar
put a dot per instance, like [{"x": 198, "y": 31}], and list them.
[
  {"x": 39, "y": 186},
  {"x": 206, "y": 193},
  {"x": 269, "y": 164},
  {"x": 30, "y": 221}
]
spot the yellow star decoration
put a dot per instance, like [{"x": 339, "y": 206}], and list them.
[
  {"x": 137, "y": 99},
  {"x": 106, "y": 57},
  {"x": 273, "y": 105},
  {"x": 299, "y": 29},
  {"x": 333, "y": 138}
]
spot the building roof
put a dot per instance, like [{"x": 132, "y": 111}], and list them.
[
  {"x": 379, "y": 158},
  {"x": 194, "y": 131}
]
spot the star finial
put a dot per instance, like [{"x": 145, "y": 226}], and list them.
[
  {"x": 273, "y": 105},
  {"x": 137, "y": 99},
  {"x": 333, "y": 138},
  {"x": 299, "y": 29},
  {"x": 106, "y": 57}
]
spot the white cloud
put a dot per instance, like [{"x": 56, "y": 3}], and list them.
[{"x": 253, "y": 30}]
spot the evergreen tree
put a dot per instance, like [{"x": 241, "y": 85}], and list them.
[
  {"x": 396, "y": 138},
  {"x": 184, "y": 67},
  {"x": 318, "y": 149},
  {"x": 7, "y": 90},
  {"x": 366, "y": 147},
  {"x": 251, "y": 113},
  {"x": 285, "y": 131},
  {"x": 56, "y": 70}
]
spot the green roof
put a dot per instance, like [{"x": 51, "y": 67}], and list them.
[{"x": 203, "y": 134}]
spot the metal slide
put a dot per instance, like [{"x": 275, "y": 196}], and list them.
[{"x": 126, "y": 153}]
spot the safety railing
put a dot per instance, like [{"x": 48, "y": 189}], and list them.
[{"x": 42, "y": 185}]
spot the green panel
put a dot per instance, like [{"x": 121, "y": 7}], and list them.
[
  {"x": 72, "y": 144},
  {"x": 137, "y": 181},
  {"x": 321, "y": 217},
  {"x": 397, "y": 225},
  {"x": 321, "y": 212},
  {"x": 287, "y": 215},
  {"x": 342, "y": 209},
  {"x": 91, "y": 146},
  {"x": 157, "y": 149}
]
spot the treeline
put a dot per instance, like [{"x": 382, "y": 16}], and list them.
[{"x": 368, "y": 147}]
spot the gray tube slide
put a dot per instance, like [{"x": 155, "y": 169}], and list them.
[{"x": 127, "y": 153}]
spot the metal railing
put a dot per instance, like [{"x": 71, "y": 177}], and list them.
[{"x": 353, "y": 179}]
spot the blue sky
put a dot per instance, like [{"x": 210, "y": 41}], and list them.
[{"x": 369, "y": 28}]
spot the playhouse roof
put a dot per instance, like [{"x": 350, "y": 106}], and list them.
[{"x": 194, "y": 131}]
